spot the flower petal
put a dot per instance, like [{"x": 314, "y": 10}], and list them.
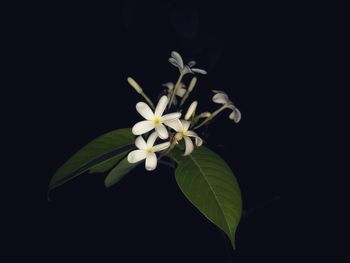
[
  {"x": 188, "y": 146},
  {"x": 181, "y": 92},
  {"x": 218, "y": 91},
  {"x": 235, "y": 115},
  {"x": 161, "y": 147},
  {"x": 140, "y": 143},
  {"x": 151, "y": 162},
  {"x": 174, "y": 62},
  {"x": 171, "y": 116},
  {"x": 187, "y": 70},
  {"x": 168, "y": 85},
  {"x": 175, "y": 125},
  {"x": 151, "y": 139},
  {"x": 221, "y": 98},
  {"x": 136, "y": 156},
  {"x": 178, "y": 58},
  {"x": 142, "y": 127},
  {"x": 162, "y": 132},
  {"x": 178, "y": 136},
  {"x": 162, "y": 103},
  {"x": 144, "y": 110},
  {"x": 198, "y": 70},
  {"x": 185, "y": 125},
  {"x": 198, "y": 139},
  {"x": 191, "y": 63}
]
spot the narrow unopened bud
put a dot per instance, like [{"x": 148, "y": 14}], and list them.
[
  {"x": 135, "y": 85},
  {"x": 191, "y": 110},
  {"x": 192, "y": 84}
]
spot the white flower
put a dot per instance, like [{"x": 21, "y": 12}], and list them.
[
  {"x": 180, "y": 91},
  {"x": 147, "y": 151},
  {"x": 221, "y": 98},
  {"x": 181, "y": 127},
  {"x": 154, "y": 120},
  {"x": 176, "y": 60}
]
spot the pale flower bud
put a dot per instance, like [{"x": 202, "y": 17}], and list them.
[
  {"x": 192, "y": 84},
  {"x": 135, "y": 85},
  {"x": 191, "y": 110}
]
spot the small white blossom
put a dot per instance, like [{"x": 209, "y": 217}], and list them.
[
  {"x": 176, "y": 60},
  {"x": 154, "y": 120},
  {"x": 221, "y": 98},
  {"x": 147, "y": 151},
  {"x": 181, "y": 127}
]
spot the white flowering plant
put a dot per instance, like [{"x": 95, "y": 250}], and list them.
[{"x": 171, "y": 131}]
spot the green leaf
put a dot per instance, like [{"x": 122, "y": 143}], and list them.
[
  {"x": 119, "y": 171},
  {"x": 106, "y": 165},
  {"x": 209, "y": 184},
  {"x": 114, "y": 144}
]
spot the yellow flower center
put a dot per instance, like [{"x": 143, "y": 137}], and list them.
[
  {"x": 157, "y": 121},
  {"x": 149, "y": 150},
  {"x": 185, "y": 133}
]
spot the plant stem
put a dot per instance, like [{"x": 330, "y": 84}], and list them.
[
  {"x": 212, "y": 116},
  {"x": 148, "y": 100},
  {"x": 177, "y": 86}
]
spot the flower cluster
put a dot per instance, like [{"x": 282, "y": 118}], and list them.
[{"x": 163, "y": 123}]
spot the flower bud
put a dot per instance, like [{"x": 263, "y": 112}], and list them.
[
  {"x": 135, "y": 85},
  {"x": 191, "y": 110},
  {"x": 192, "y": 84}
]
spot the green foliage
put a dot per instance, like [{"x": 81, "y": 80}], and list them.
[
  {"x": 106, "y": 165},
  {"x": 96, "y": 156},
  {"x": 209, "y": 184},
  {"x": 118, "y": 172},
  {"x": 203, "y": 177}
]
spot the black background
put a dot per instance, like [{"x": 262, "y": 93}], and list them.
[{"x": 77, "y": 59}]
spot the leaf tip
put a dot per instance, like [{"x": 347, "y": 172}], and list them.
[
  {"x": 233, "y": 243},
  {"x": 107, "y": 184}
]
